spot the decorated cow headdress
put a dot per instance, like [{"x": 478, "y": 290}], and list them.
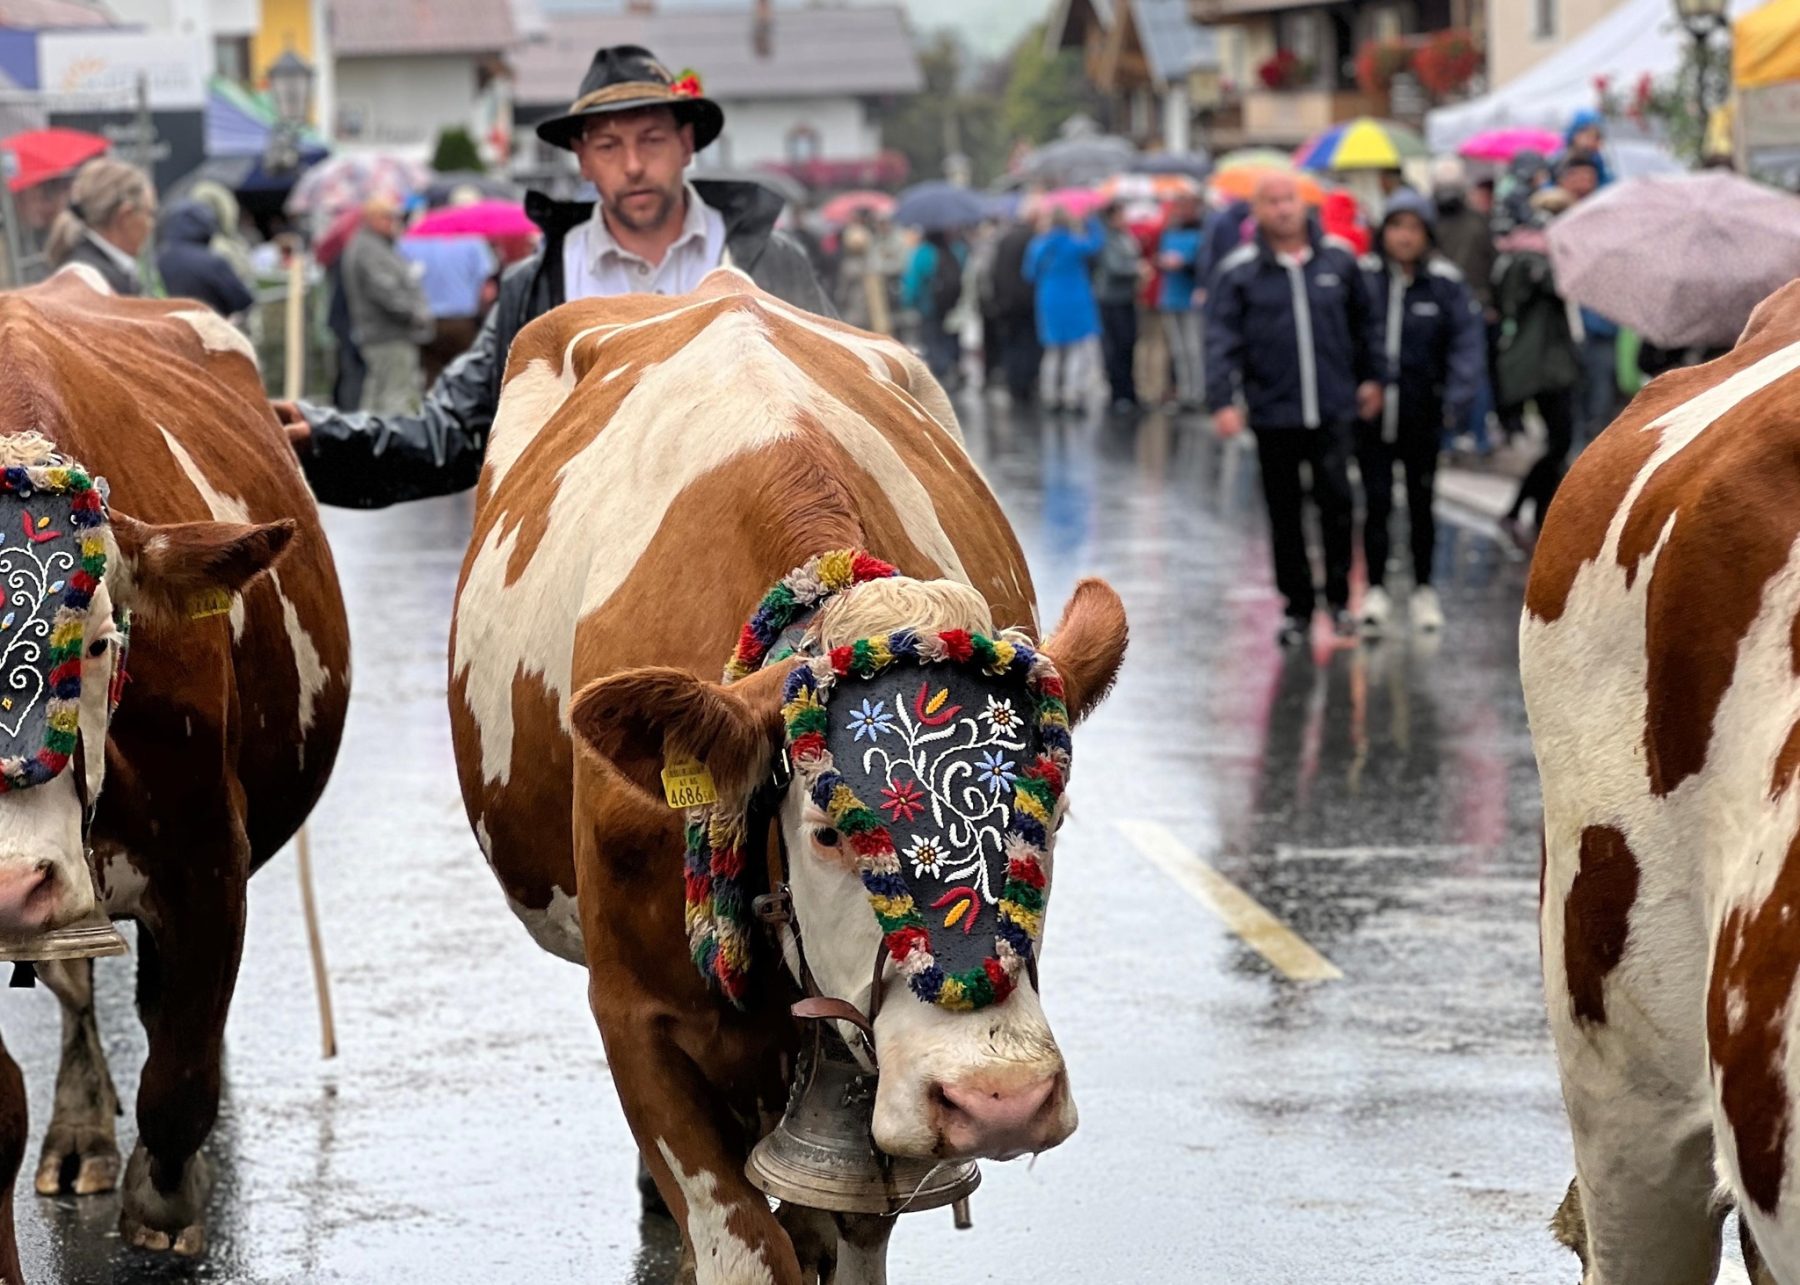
[
  {"x": 52, "y": 558},
  {"x": 939, "y": 758}
]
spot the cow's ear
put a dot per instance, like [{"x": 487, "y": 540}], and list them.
[
  {"x": 641, "y": 718},
  {"x": 1088, "y": 645},
  {"x": 186, "y": 570}
]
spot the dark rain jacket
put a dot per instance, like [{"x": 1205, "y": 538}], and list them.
[
  {"x": 1537, "y": 345},
  {"x": 1466, "y": 238},
  {"x": 368, "y": 461},
  {"x": 1433, "y": 341},
  {"x": 190, "y": 268},
  {"x": 1296, "y": 340}
]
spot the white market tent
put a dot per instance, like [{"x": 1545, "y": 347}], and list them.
[{"x": 1637, "y": 37}]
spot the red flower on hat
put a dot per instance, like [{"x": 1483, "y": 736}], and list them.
[{"x": 687, "y": 84}]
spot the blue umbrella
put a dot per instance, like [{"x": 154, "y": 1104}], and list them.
[{"x": 939, "y": 207}]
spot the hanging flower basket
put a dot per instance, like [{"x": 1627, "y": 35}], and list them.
[
  {"x": 1446, "y": 63},
  {"x": 1378, "y": 62},
  {"x": 1285, "y": 70}
]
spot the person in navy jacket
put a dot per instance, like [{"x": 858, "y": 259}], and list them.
[
  {"x": 1288, "y": 329},
  {"x": 1435, "y": 345}
]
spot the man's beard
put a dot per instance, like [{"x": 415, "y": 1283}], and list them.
[{"x": 664, "y": 206}]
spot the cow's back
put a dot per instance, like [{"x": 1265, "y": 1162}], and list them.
[
  {"x": 656, "y": 464},
  {"x": 163, "y": 399}
]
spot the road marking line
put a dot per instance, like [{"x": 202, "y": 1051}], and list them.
[{"x": 1286, "y": 950}]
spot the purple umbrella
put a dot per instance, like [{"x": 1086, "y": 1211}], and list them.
[{"x": 1681, "y": 259}]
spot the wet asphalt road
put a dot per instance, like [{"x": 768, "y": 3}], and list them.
[{"x": 1398, "y": 1124}]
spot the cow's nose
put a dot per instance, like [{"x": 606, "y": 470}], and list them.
[
  {"x": 998, "y": 1118},
  {"x": 27, "y": 896}
]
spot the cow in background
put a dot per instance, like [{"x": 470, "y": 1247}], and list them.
[
  {"x": 1660, "y": 653},
  {"x": 656, "y": 466},
  {"x": 224, "y": 734}
]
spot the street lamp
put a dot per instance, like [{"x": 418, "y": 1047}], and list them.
[
  {"x": 1701, "y": 19},
  {"x": 291, "y": 86}
]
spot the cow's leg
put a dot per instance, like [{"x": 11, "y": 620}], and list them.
[
  {"x": 13, "y": 1130},
  {"x": 727, "y": 1228},
  {"x": 81, "y": 1140},
  {"x": 195, "y": 916}
]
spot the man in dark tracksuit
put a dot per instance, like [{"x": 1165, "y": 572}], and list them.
[
  {"x": 1435, "y": 346},
  {"x": 1288, "y": 328}
]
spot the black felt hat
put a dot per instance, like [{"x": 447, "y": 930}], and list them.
[{"x": 625, "y": 78}]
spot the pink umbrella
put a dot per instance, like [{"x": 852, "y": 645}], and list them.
[
  {"x": 496, "y": 220},
  {"x": 1077, "y": 201},
  {"x": 1501, "y": 145},
  {"x": 843, "y": 207}
]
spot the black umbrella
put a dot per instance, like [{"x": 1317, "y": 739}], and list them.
[
  {"x": 1194, "y": 165},
  {"x": 1077, "y": 162}
]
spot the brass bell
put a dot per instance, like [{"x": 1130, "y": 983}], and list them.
[
  {"x": 823, "y": 1153},
  {"x": 84, "y": 939}
]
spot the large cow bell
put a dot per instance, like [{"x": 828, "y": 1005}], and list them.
[
  {"x": 823, "y": 1153},
  {"x": 85, "y": 939}
]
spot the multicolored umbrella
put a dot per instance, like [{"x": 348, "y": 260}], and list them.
[
  {"x": 39, "y": 155},
  {"x": 492, "y": 219},
  {"x": 1501, "y": 145},
  {"x": 845, "y": 206},
  {"x": 1361, "y": 144},
  {"x": 345, "y": 182}
]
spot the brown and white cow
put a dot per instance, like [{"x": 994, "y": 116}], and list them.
[
  {"x": 224, "y": 735},
  {"x": 656, "y": 465},
  {"x": 1660, "y": 652}
]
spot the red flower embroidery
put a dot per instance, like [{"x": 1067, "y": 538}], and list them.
[
  {"x": 687, "y": 85},
  {"x": 904, "y": 802}
]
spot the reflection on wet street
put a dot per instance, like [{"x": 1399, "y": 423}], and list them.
[{"x": 1398, "y": 1122}]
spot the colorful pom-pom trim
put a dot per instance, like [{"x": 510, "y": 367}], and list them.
[
  {"x": 68, "y": 625},
  {"x": 717, "y": 916},
  {"x": 1035, "y": 796}
]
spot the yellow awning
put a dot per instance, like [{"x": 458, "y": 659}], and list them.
[{"x": 1765, "y": 45}]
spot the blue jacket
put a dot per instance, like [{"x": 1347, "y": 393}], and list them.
[
  {"x": 1437, "y": 354},
  {"x": 1179, "y": 284},
  {"x": 1058, "y": 265},
  {"x": 1297, "y": 341}
]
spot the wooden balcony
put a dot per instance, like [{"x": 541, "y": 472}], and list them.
[{"x": 1293, "y": 116}]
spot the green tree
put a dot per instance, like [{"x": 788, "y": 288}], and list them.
[
  {"x": 1042, "y": 90},
  {"x": 946, "y": 117},
  {"x": 456, "y": 153}
]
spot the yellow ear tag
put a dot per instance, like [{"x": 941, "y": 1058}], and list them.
[
  {"x": 208, "y": 602},
  {"x": 688, "y": 784}
]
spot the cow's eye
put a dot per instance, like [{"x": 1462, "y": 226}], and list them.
[
  {"x": 97, "y": 647},
  {"x": 826, "y": 837}
]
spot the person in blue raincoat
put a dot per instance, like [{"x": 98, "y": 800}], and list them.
[
  {"x": 1586, "y": 133},
  {"x": 1431, "y": 332},
  {"x": 1059, "y": 264}
]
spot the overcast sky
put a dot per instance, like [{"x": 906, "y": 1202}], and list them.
[{"x": 988, "y": 26}]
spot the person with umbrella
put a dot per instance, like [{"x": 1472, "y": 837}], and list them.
[
  {"x": 1059, "y": 264},
  {"x": 1015, "y": 310},
  {"x": 634, "y": 127},
  {"x": 111, "y": 213},
  {"x": 1289, "y": 329},
  {"x": 1181, "y": 258},
  {"x": 932, "y": 287},
  {"x": 1435, "y": 345},
  {"x": 1581, "y": 175},
  {"x": 1465, "y": 237}
]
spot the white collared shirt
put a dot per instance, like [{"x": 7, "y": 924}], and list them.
[
  {"x": 126, "y": 264},
  {"x": 594, "y": 264}
]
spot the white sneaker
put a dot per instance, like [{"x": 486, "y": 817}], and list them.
[
  {"x": 1427, "y": 615},
  {"x": 1377, "y": 607}
]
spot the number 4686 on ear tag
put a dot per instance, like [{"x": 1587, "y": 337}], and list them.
[{"x": 688, "y": 784}]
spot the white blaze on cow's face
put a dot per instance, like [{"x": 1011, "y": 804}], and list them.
[
  {"x": 989, "y": 1084},
  {"x": 44, "y": 878}
]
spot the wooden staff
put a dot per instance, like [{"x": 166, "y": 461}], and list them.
[{"x": 293, "y": 383}]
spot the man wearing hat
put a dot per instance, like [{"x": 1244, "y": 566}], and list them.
[{"x": 633, "y": 128}]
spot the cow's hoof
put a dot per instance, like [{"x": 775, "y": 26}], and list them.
[
  {"x": 78, "y": 1158},
  {"x": 165, "y": 1221}
]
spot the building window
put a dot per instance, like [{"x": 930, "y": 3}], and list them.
[
  {"x": 1543, "y": 19},
  {"x": 352, "y": 120},
  {"x": 231, "y": 59},
  {"x": 802, "y": 144}
]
